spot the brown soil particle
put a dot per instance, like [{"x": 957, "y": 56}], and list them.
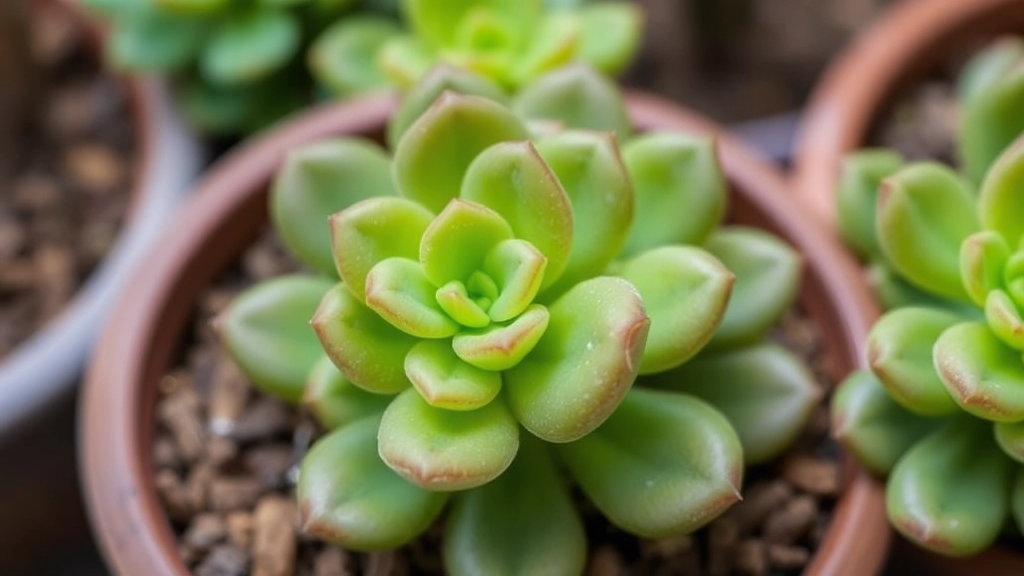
[
  {"x": 226, "y": 459},
  {"x": 63, "y": 207},
  {"x": 923, "y": 125}
]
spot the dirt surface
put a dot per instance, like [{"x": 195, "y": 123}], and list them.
[
  {"x": 737, "y": 60},
  {"x": 61, "y": 212},
  {"x": 225, "y": 460}
]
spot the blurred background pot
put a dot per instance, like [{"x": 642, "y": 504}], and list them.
[
  {"x": 227, "y": 212},
  {"x": 912, "y": 42}
]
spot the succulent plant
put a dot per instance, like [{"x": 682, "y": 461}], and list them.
[
  {"x": 238, "y": 64},
  {"x": 511, "y": 42},
  {"x": 482, "y": 305},
  {"x": 941, "y": 409}
]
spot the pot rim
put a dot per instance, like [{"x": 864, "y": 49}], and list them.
[
  {"x": 167, "y": 157},
  {"x": 859, "y": 85},
  {"x": 116, "y": 424}
]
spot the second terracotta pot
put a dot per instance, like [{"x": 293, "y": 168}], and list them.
[{"x": 229, "y": 209}]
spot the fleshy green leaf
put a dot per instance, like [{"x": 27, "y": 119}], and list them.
[
  {"x": 501, "y": 347},
  {"x": 766, "y": 393},
  {"x": 611, "y": 34},
  {"x": 578, "y": 97},
  {"x": 455, "y": 300},
  {"x": 591, "y": 171},
  {"x": 431, "y": 159},
  {"x": 349, "y": 497},
  {"x": 150, "y": 40},
  {"x": 513, "y": 180},
  {"x": 984, "y": 376},
  {"x": 950, "y": 492},
  {"x": 982, "y": 258},
  {"x": 1004, "y": 318},
  {"x": 900, "y": 354},
  {"x": 189, "y": 7},
  {"x": 441, "y": 27},
  {"x": 317, "y": 180},
  {"x": 767, "y": 279},
  {"x": 990, "y": 121},
  {"x": 685, "y": 291},
  {"x": 517, "y": 268},
  {"x": 250, "y": 46},
  {"x": 540, "y": 531},
  {"x": 893, "y": 291},
  {"x": 344, "y": 57},
  {"x": 446, "y": 381},
  {"x": 680, "y": 189},
  {"x": 266, "y": 331},
  {"x": 584, "y": 364},
  {"x": 457, "y": 242},
  {"x": 374, "y": 230},
  {"x": 682, "y": 472},
  {"x": 924, "y": 213},
  {"x": 368, "y": 351},
  {"x": 857, "y": 194},
  {"x": 439, "y": 79},
  {"x": 872, "y": 426},
  {"x": 1010, "y": 437},
  {"x": 405, "y": 59},
  {"x": 335, "y": 401},
  {"x": 447, "y": 450},
  {"x": 989, "y": 66},
  {"x": 551, "y": 45},
  {"x": 399, "y": 291},
  {"x": 1001, "y": 202}
]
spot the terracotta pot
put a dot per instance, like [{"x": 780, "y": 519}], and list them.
[
  {"x": 914, "y": 39},
  {"x": 167, "y": 160},
  {"x": 228, "y": 210}
]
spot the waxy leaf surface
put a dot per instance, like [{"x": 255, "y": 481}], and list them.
[
  {"x": 337, "y": 402},
  {"x": 984, "y": 375}
]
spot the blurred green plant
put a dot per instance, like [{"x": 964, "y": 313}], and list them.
[
  {"x": 511, "y": 42},
  {"x": 482, "y": 306},
  {"x": 942, "y": 407}
]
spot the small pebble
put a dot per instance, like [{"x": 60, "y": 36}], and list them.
[
  {"x": 265, "y": 418},
  {"x": 98, "y": 168},
  {"x": 812, "y": 475},
  {"x": 605, "y": 561},
  {"x": 224, "y": 560},
  {"x": 206, "y": 530},
  {"x": 750, "y": 558},
  {"x": 173, "y": 495},
  {"x": 722, "y": 537},
  {"x": 239, "y": 526},
  {"x": 234, "y": 493},
  {"x": 273, "y": 545},
  {"x": 787, "y": 557},
  {"x": 332, "y": 561},
  {"x": 793, "y": 521}
]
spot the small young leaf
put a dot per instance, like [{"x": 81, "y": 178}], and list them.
[
  {"x": 551, "y": 45},
  {"x": 893, "y": 291},
  {"x": 349, "y": 497},
  {"x": 680, "y": 190},
  {"x": 873, "y": 427},
  {"x": 984, "y": 375},
  {"x": 900, "y": 354},
  {"x": 584, "y": 364},
  {"x": 517, "y": 268},
  {"x": 502, "y": 347},
  {"x": 447, "y": 450},
  {"x": 1001, "y": 203},
  {"x": 457, "y": 242},
  {"x": 1010, "y": 437},
  {"x": 513, "y": 180},
  {"x": 317, "y": 180},
  {"x": 368, "y": 351},
  {"x": 399, "y": 291},
  {"x": 682, "y": 471},
  {"x": 439, "y": 79},
  {"x": 950, "y": 492},
  {"x": 335, "y": 401},
  {"x": 767, "y": 278},
  {"x": 374, "y": 230},
  {"x": 611, "y": 34},
  {"x": 924, "y": 213},
  {"x": 405, "y": 59},
  {"x": 250, "y": 46},
  {"x": 591, "y": 171},
  {"x": 431, "y": 159},
  {"x": 266, "y": 332},
  {"x": 685, "y": 291},
  {"x": 983, "y": 256},
  {"x": 344, "y": 57},
  {"x": 766, "y": 393},
  {"x": 1004, "y": 318},
  {"x": 540, "y": 531},
  {"x": 856, "y": 196},
  {"x": 578, "y": 97},
  {"x": 441, "y": 26},
  {"x": 990, "y": 121},
  {"x": 446, "y": 381},
  {"x": 455, "y": 300}
]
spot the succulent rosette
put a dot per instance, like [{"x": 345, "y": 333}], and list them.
[
  {"x": 483, "y": 308},
  {"x": 510, "y": 42},
  {"x": 941, "y": 411}
]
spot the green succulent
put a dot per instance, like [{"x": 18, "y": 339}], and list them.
[
  {"x": 941, "y": 409},
  {"x": 511, "y": 42},
  {"x": 237, "y": 63},
  {"x": 482, "y": 305}
]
